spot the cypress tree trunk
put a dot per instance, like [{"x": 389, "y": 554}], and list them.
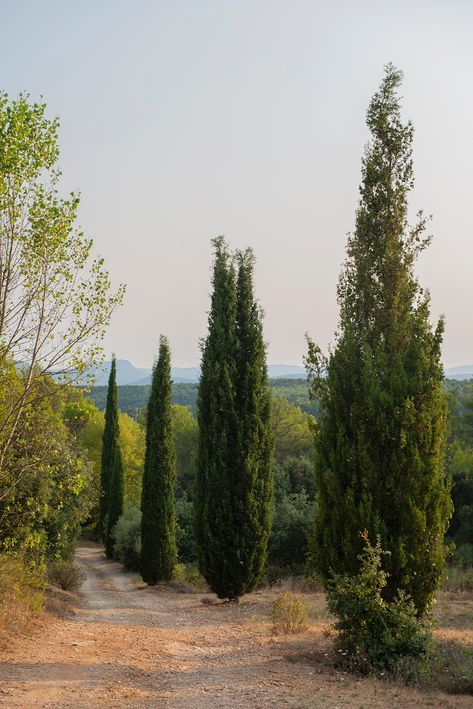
[
  {"x": 158, "y": 537},
  {"x": 109, "y": 444},
  {"x": 381, "y": 442},
  {"x": 234, "y": 484}
]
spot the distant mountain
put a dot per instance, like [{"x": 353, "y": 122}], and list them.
[
  {"x": 286, "y": 371},
  {"x": 465, "y": 371},
  {"x": 127, "y": 373}
]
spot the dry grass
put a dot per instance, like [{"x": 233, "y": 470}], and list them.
[{"x": 21, "y": 596}]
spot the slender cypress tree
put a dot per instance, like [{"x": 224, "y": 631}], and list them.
[
  {"x": 253, "y": 461},
  {"x": 158, "y": 534},
  {"x": 233, "y": 489},
  {"x": 381, "y": 441},
  {"x": 115, "y": 509},
  {"x": 109, "y": 444}
]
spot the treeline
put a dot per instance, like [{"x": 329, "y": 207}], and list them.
[{"x": 133, "y": 399}]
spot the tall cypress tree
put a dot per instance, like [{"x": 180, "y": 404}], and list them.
[
  {"x": 158, "y": 535},
  {"x": 253, "y": 461},
  {"x": 233, "y": 489},
  {"x": 109, "y": 444},
  {"x": 380, "y": 460},
  {"x": 115, "y": 508}
]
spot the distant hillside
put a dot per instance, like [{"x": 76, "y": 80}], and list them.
[
  {"x": 128, "y": 374},
  {"x": 465, "y": 371},
  {"x": 133, "y": 398}
]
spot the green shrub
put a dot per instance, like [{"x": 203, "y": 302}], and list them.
[
  {"x": 292, "y": 522},
  {"x": 127, "y": 536},
  {"x": 184, "y": 511},
  {"x": 66, "y": 575},
  {"x": 190, "y": 575},
  {"x": 289, "y": 613},
  {"x": 374, "y": 634}
]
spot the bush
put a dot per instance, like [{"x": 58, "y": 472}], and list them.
[
  {"x": 127, "y": 536},
  {"x": 66, "y": 575},
  {"x": 190, "y": 575},
  {"x": 289, "y": 613},
  {"x": 288, "y": 543},
  {"x": 374, "y": 634},
  {"x": 184, "y": 511},
  {"x": 21, "y": 593}
]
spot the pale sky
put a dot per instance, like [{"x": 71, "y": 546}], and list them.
[{"x": 182, "y": 120}]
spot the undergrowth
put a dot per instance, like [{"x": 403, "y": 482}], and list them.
[{"x": 21, "y": 594}]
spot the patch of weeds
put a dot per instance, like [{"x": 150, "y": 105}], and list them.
[
  {"x": 290, "y": 613},
  {"x": 458, "y": 579},
  {"x": 448, "y": 667}
]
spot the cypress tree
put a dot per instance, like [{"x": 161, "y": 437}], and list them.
[
  {"x": 115, "y": 509},
  {"x": 158, "y": 537},
  {"x": 109, "y": 444},
  {"x": 380, "y": 448},
  {"x": 233, "y": 489},
  {"x": 253, "y": 461}
]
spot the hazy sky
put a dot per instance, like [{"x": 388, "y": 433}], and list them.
[{"x": 184, "y": 120}]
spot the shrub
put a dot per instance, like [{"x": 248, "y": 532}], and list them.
[
  {"x": 184, "y": 510},
  {"x": 127, "y": 536},
  {"x": 374, "y": 634},
  {"x": 190, "y": 575},
  {"x": 66, "y": 575},
  {"x": 290, "y": 613},
  {"x": 292, "y": 522}
]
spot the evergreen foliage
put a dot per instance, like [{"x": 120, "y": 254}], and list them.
[
  {"x": 234, "y": 480},
  {"x": 158, "y": 526},
  {"x": 111, "y": 473},
  {"x": 381, "y": 441},
  {"x": 115, "y": 509}
]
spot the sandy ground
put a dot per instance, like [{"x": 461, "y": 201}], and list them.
[{"x": 127, "y": 645}]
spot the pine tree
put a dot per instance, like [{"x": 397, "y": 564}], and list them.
[
  {"x": 380, "y": 448},
  {"x": 158, "y": 537},
  {"x": 234, "y": 484},
  {"x": 109, "y": 444}
]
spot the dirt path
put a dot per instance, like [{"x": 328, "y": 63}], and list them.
[{"x": 128, "y": 645}]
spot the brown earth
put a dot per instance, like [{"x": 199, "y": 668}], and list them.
[{"x": 127, "y": 645}]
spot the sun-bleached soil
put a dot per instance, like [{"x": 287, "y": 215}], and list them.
[{"x": 127, "y": 645}]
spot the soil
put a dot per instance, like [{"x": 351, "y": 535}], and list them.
[{"x": 129, "y": 645}]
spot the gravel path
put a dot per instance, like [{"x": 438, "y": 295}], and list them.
[{"x": 127, "y": 645}]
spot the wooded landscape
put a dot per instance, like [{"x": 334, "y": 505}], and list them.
[{"x": 356, "y": 485}]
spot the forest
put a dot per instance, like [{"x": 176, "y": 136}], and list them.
[{"x": 356, "y": 484}]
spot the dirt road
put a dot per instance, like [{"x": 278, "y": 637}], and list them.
[{"x": 128, "y": 645}]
